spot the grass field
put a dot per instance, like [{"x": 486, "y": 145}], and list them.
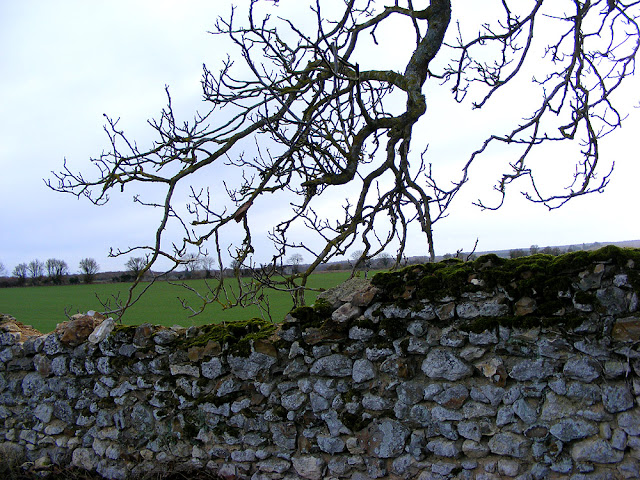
[{"x": 44, "y": 307}]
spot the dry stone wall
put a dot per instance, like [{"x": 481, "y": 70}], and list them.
[{"x": 492, "y": 369}]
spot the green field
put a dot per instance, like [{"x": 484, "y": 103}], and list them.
[{"x": 44, "y": 307}]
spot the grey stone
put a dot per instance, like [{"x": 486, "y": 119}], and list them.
[
  {"x": 584, "y": 369},
  {"x": 363, "y": 370},
  {"x": 427, "y": 313},
  {"x": 487, "y": 337},
  {"x": 212, "y": 369},
  {"x": 472, "y": 353},
  {"x": 476, "y": 409},
  {"x": 378, "y": 353},
  {"x": 585, "y": 393},
  {"x": 33, "y": 385},
  {"x": 446, "y": 311},
  {"x": 442, "y": 363},
  {"x": 613, "y": 299},
  {"x": 527, "y": 370},
  {"x": 564, "y": 465},
  {"x": 410, "y": 392},
  {"x": 43, "y": 412},
  {"x": 474, "y": 449},
  {"x": 508, "y": 468},
  {"x": 375, "y": 402},
  {"x": 452, "y": 397},
  {"x": 523, "y": 409},
  {"x": 245, "y": 455},
  {"x": 309, "y": 466},
  {"x": 629, "y": 421},
  {"x": 488, "y": 394},
  {"x": 418, "y": 345},
  {"x": 598, "y": 450},
  {"x": 451, "y": 337},
  {"x": 386, "y": 438},
  {"x": 103, "y": 365},
  {"x": 557, "y": 348},
  {"x": 617, "y": 398},
  {"x": 442, "y": 414},
  {"x": 359, "y": 333},
  {"x": 619, "y": 439},
  {"x": 468, "y": 310},
  {"x": 52, "y": 345},
  {"x": 250, "y": 367},
  {"x": 570, "y": 429},
  {"x": 394, "y": 311},
  {"x": 555, "y": 407},
  {"x": 335, "y": 426},
  {"x": 443, "y": 448},
  {"x": 331, "y": 445},
  {"x": 421, "y": 414},
  {"x": 274, "y": 465},
  {"x": 84, "y": 458},
  {"x": 122, "y": 389},
  {"x": 318, "y": 402},
  {"x": 338, "y": 465},
  {"x": 284, "y": 435},
  {"x": 333, "y": 366},
  {"x": 509, "y": 444},
  {"x": 59, "y": 366},
  {"x": 345, "y": 313},
  {"x": 470, "y": 430},
  {"x": 293, "y": 400}
]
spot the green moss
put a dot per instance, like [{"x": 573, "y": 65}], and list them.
[
  {"x": 314, "y": 316},
  {"x": 539, "y": 276},
  {"x": 394, "y": 327},
  {"x": 238, "y": 335}
]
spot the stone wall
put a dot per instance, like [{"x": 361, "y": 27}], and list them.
[{"x": 491, "y": 369}]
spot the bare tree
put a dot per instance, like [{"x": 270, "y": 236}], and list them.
[
  {"x": 89, "y": 268},
  {"x": 56, "y": 269},
  {"x": 384, "y": 259},
  {"x": 136, "y": 266},
  {"x": 295, "y": 260},
  {"x": 21, "y": 272},
  {"x": 2, "y": 270},
  {"x": 191, "y": 262},
  {"x": 318, "y": 120},
  {"x": 36, "y": 270},
  {"x": 208, "y": 264}
]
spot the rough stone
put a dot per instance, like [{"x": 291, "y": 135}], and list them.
[
  {"x": 570, "y": 429},
  {"x": 309, "y": 466},
  {"x": 510, "y": 444},
  {"x": 527, "y": 370},
  {"x": 584, "y": 369},
  {"x": 442, "y": 363},
  {"x": 385, "y": 438},
  {"x": 595, "y": 450},
  {"x": 345, "y": 313},
  {"x": 443, "y": 448},
  {"x": 617, "y": 398},
  {"x": 333, "y": 366}
]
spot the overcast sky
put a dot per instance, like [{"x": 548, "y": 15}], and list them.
[{"x": 66, "y": 63}]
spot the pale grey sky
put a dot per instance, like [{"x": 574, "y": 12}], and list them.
[{"x": 64, "y": 64}]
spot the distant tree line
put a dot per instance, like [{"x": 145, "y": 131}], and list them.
[
  {"x": 53, "y": 272},
  {"x": 56, "y": 272}
]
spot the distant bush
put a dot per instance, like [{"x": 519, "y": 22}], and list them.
[{"x": 74, "y": 280}]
